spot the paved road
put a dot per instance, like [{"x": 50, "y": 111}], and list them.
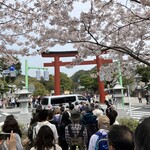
[{"x": 138, "y": 112}]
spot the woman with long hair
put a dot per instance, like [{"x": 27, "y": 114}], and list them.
[
  {"x": 11, "y": 124},
  {"x": 45, "y": 140}
]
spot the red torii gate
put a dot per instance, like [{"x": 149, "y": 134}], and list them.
[{"x": 57, "y": 63}]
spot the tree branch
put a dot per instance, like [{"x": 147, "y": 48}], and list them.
[{"x": 136, "y": 1}]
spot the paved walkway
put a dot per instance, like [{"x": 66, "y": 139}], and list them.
[{"x": 134, "y": 101}]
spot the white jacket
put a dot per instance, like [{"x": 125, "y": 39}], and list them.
[{"x": 40, "y": 124}]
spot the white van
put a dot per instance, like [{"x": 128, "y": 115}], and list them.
[{"x": 48, "y": 102}]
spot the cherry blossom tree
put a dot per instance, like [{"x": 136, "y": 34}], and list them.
[
  {"x": 115, "y": 27},
  {"x": 143, "y": 2}
]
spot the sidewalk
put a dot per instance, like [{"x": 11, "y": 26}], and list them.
[
  {"x": 11, "y": 110},
  {"x": 23, "y": 118},
  {"x": 134, "y": 101}
]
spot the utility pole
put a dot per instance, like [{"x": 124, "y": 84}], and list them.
[{"x": 120, "y": 81}]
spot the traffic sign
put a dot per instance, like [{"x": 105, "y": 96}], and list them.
[{"x": 46, "y": 75}]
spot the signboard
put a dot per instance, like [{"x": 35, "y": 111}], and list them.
[
  {"x": 12, "y": 68},
  {"x": 38, "y": 75},
  {"x": 46, "y": 75}
]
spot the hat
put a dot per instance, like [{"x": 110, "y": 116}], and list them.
[
  {"x": 103, "y": 122},
  {"x": 75, "y": 115}
]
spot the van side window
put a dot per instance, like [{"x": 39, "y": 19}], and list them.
[
  {"x": 57, "y": 100},
  {"x": 44, "y": 101},
  {"x": 82, "y": 98},
  {"x": 60, "y": 100},
  {"x": 70, "y": 99}
]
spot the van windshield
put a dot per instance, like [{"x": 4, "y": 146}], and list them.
[
  {"x": 82, "y": 98},
  {"x": 60, "y": 100}
]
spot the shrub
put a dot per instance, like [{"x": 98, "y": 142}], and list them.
[{"x": 129, "y": 122}]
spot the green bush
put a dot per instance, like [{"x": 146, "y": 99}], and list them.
[{"x": 129, "y": 122}]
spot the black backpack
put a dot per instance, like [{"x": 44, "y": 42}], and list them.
[{"x": 76, "y": 141}]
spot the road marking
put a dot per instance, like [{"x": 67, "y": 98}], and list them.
[
  {"x": 132, "y": 108},
  {"x": 139, "y": 114},
  {"x": 6, "y": 114}
]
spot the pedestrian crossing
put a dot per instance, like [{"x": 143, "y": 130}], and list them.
[{"x": 134, "y": 113}]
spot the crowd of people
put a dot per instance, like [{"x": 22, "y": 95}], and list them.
[
  {"x": 76, "y": 127},
  {"x": 9, "y": 102}
]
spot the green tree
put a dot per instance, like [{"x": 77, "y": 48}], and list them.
[
  {"x": 76, "y": 76},
  {"x": 83, "y": 78},
  {"x": 49, "y": 85},
  {"x": 3, "y": 87},
  {"x": 65, "y": 82},
  {"x": 144, "y": 71},
  {"x": 87, "y": 81},
  {"x": 39, "y": 87}
]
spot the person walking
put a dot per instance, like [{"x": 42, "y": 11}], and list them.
[
  {"x": 64, "y": 122},
  {"x": 43, "y": 120},
  {"x": 101, "y": 134},
  {"x": 75, "y": 133},
  {"x": 146, "y": 97},
  {"x": 140, "y": 97},
  {"x": 45, "y": 140}
]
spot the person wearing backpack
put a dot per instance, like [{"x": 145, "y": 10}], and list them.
[
  {"x": 90, "y": 122},
  {"x": 98, "y": 140},
  {"x": 43, "y": 120},
  {"x": 75, "y": 133}
]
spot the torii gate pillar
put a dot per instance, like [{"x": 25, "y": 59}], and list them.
[
  {"x": 57, "y": 63},
  {"x": 57, "y": 76},
  {"x": 100, "y": 83}
]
